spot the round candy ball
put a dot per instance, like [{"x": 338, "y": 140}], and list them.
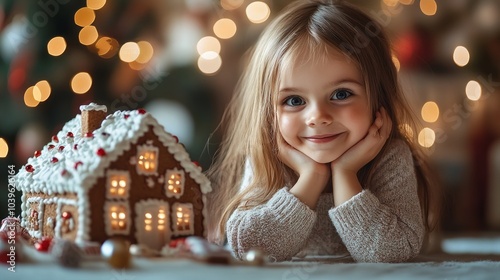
[
  {"x": 116, "y": 252},
  {"x": 255, "y": 257}
]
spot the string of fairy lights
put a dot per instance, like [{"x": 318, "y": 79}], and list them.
[{"x": 138, "y": 54}]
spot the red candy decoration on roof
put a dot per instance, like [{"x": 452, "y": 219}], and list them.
[
  {"x": 29, "y": 168},
  {"x": 101, "y": 152},
  {"x": 64, "y": 172},
  {"x": 126, "y": 116},
  {"x": 75, "y": 147},
  {"x": 141, "y": 111},
  {"x": 78, "y": 163},
  {"x": 51, "y": 147},
  {"x": 38, "y": 153},
  {"x": 89, "y": 134},
  {"x": 70, "y": 134},
  {"x": 54, "y": 160},
  {"x": 55, "y": 139},
  {"x": 196, "y": 163},
  {"x": 176, "y": 139},
  {"x": 61, "y": 148}
]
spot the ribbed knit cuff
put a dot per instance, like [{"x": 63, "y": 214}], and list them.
[
  {"x": 355, "y": 212},
  {"x": 289, "y": 209}
]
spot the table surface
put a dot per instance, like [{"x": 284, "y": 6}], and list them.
[{"x": 443, "y": 266}]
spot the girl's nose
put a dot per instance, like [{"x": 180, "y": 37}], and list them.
[{"x": 319, "y": 116}]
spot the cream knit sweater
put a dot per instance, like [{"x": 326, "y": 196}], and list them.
[{"x": 383, "y": 223}]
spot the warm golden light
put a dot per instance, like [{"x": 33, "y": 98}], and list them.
[
  {"x": 461, "y": 56},
  {"x": 428, "y": 7},
  {"x": 88, "y": 35},
  {"x": 96, "y": 4},
  {"x": 29, "y": 98},
  {"x": 148, "y": 216},
  {"x": 81, "y": 83},
  {"x": 473, "y": 90},
  {"x": 430, "y": 112},
  {"x": 4, "y": 148},
  {"x": 84, "y": 17},
  {"x": 258, "y": 12},
  {"x": 426, "y": 137},
  {"x": 209, "y": 62},
  {"x": 129, "y": 52},
  {"x": 208, "y": 43},
  {"x": 43, "y": 91},
  {"x": 56, "y": 46},
  {"x": 231, "y": 4},
  {"x": 145, "y": 52},
  {"x": 224, "y": 28},
  {"x": 106, "y": 47},
  {"x": 406, "y": 2}
]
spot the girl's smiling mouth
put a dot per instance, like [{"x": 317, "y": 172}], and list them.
[{"x": 322, "y": 138}]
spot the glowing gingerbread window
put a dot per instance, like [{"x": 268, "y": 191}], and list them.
[
  {"x": 183, "y": 218},
  {"x": 117, "y": 216},
  {"x": 174, "y": 185},
  {"x": 147, "y": 159},
  {"x": 118, "y": 184}
]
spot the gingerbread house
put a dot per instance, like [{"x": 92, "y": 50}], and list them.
[{"x": 116, "y": 175}]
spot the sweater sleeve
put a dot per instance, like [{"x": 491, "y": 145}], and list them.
[
  {"x": 383, "y": 223},
  {"x": 279, "y": 227}
]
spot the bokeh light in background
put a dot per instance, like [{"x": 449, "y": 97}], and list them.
[
  {"x": 56, "y": 46},
  {"x": 84, "y": 17},
  {"x": 209, "y": 62},
  {"x": 96, "y": 4},
  {"x": 430, "y": 112},
  {"x": 43, "y": 92},
  {"x": 426, "y": 137},
  {"x": 129, "y": 52},
  {"x": 428, "y": 7},
  {"x": 29, "y": 96},
  {"x": 88, "y": 35},
  {"x": 107, "y": 47},
  {"x": 81, "y": 83},
  {"x": 461, "y": 56},
  {"x": 146, "y": 52},
  {"x": 231, "y": 4},
  {"x": 473, "y": 90},
  {"x": 208, "y": 43},
  {"x": 258, "y": 12},
  {"x": 225, "y": 28},
  {"x": 4, "y": 148}
]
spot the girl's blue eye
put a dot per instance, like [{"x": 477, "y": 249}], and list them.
[
  {"x": 294, "y": 101},
  {"x": 341, "y": 94}
]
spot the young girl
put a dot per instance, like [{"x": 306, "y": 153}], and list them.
[{"x": 314, "y": 160}]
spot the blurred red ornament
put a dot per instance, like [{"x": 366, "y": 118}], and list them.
[{"x": 43, "y": 244}]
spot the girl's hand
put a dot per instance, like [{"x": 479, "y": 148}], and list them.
[
  {"x": 299, "y": 162},
  {"x": 367, "y": 148},
  {"x": 313, "y": 176}
]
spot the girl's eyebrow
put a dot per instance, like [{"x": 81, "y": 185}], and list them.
[{"x": 331, "y": 84}]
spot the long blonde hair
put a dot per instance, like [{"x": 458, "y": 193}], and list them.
[{"x": 304, "y": 28}]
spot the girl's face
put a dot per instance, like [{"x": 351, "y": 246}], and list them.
[{"x": 323, "y": 107}]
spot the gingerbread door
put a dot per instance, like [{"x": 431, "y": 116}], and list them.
[{"x": 153, "y": 223}]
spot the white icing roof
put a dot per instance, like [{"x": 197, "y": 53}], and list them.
[{"x": 54, "y": 169}]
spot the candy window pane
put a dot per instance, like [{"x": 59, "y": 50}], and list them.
[
  {"x": 174, "y": 184},
  {"x": 118, "y": 217},
  {"x": 147, "y": 160},
  {"x": 118, "y": 184},
  {"x": 184, "y": 218}
]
